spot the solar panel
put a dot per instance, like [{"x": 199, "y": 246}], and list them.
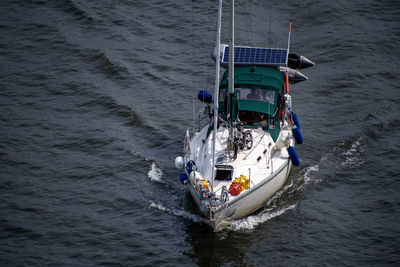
[{"x": 255, "y": 56}]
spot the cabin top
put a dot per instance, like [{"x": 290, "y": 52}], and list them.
[
  {"x": 256, "y": 97},
  {"x": 255, "y": 77}
]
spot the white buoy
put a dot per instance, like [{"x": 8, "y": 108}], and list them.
[{"x": 179, "y": 163}]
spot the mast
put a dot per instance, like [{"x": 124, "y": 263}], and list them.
[
  {"x": 231, "y": 89},
  {"x": 216, "y": 89},
  {"x": 231, "y": 49},
  {"x": 231, "y": 60}
]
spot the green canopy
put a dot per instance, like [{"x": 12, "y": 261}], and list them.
[
  {"x": 255, "y": 76},
  {"x": 258, "y": 106}
]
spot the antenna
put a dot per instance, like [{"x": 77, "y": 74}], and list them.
[
  {"x": 287, "y": 58},
  {"x": 288, "y": 42}
]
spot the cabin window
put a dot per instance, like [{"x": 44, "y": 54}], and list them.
[
  {"x": 223, "y": 174},
  {"x": 255, "y": 94}
]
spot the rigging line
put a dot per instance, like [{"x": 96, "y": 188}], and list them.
[
  {"x": 251, "y": 25},
  {"x": 270, "y": 27},
  {"x": 194, "y": 66},
  {"x": 205, "y": 46},
  {"x": 246, "y": 11},
  {"x": 204, "y": 59}
]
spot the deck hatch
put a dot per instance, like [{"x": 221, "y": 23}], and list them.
[{"x": 223, "y": 172}]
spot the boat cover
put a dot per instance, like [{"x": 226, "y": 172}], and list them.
[{"x": 256, "y": 77}]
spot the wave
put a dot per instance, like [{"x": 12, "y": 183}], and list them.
[
  {"x": 155, "y": 173},
  {"x": 69, "y": 7},
  {"x": 353, "y": 155},
  {"x": 140, "y": 155},
  {"x": 350, "y": 153},
  {"x": 178, "y": 212},
  {"x": 142, "y": 127},
  {"x": 105, "y": 65},
  {"x": 247, "y": 223},
  {"x": 252, "y": 221},
  {"x": 308, "y": 175},
  {"x": 120, "y": 110}
]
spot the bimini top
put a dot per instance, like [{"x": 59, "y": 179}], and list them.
[
  {"x": 245, "y": 55},
  {"x": 255, "y": 77}
]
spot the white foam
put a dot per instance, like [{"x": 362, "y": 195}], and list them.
[
  {"x": 252, "y": 221},
  {"x": 308, "y": 174},
  {"x": 180, "y": 213},
  {"x": 155, "y": 173},
  {"x": 247, "y": 223},
  {"x": 353, "y": 156},
  {"x": 140, "y": 155}
]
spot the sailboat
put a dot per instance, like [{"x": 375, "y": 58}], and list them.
[{"x": 243, "y": 155}]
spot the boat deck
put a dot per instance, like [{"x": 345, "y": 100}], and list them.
[{"x": 258, "y": 163}]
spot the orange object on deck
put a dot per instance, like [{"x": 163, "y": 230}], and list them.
[{"x": 235, "y": 189}]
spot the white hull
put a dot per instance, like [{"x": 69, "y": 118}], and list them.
[
  {"x": 248, "y": 202},
  {"x": 252, "y": 199},
  {"x": 268, "y": 168}
]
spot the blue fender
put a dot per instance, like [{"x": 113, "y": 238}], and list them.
[
  {"x": 293, "y": 156},
  {"x": 296, "y": 120},
  {"x": 297, "y": 135},
  {"x": 183, "y": 178},
  {"x": 205, "y": 96}
]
